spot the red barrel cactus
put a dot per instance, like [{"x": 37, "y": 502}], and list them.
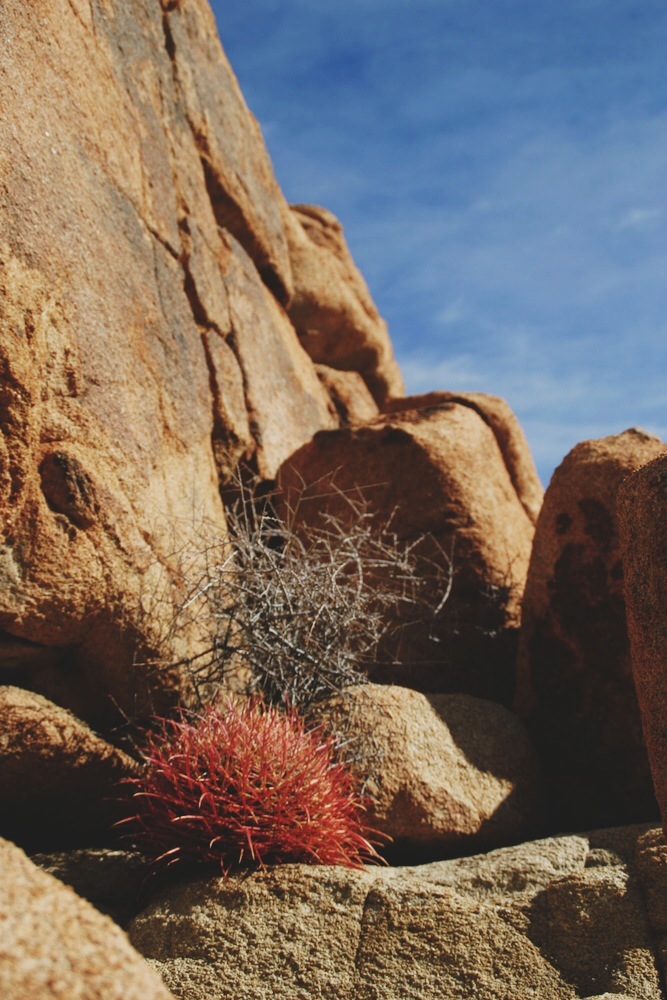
[{"x": 246, "y": 784}]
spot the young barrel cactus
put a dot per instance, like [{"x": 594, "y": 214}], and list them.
[{"x": 246, "y": 784}]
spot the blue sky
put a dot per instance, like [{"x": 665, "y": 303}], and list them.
[{"x": 499, "y": 167}]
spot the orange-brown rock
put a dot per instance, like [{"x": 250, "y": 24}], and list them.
[
  {"x": 439, "y": 770},
  {"x": 141, "y": 353},
  {"x": 349, "y": 394},
  {"x": 642, "y": 506},
  {"x": 508, "y": 433},
  {"x": 575, "y": 685},
  {"x": 331, "y": 307},
  {"x": 241, "y": 185},
  {"x": 58, "y": 779},
  {"x": 286, "y": 402},
  {"x": 436, "y": 471},
  {"x": 55, "y": 945}
]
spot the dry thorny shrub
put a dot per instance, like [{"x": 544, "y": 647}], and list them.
[{"x": 298, "y": 610}]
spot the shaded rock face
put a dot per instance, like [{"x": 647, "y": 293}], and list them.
[
  {"x": 447, "y": 771},
  {"x": 54, "y": 944},
  {"x": 575, "y": 686},
  {"x": 436, "y": 471},
  {"x": 331, "y": 308},
  {"x": 642, "y": 506},
  {"x": 144, "y": 348},
  {"x": 349, "y": 395},
  {"x": 58, "y": 780},
  {"x": 564, "y": 917}
]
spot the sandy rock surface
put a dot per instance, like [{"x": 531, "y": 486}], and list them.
[
  {"x": 575, "y": 687},
  {"x": 563, "y": 917},
  {"x": 446, "y": 769},
  {"x": 55, "y": 945}
]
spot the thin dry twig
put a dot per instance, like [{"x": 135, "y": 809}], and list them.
[{"x": 301, "y": 608}]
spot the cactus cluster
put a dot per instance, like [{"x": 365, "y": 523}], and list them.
[{"x": 246, "y": 784}]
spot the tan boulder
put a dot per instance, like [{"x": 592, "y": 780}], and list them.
[
  {"x": 299, "y": 931},
  {"x": 286, "y": 402},
  {"x": 508, "y": 433},
  {"x": 440, "y": 770},
  {"x": 240, "y": 182},
  {"x": 141, "y": 353},
  {"x": 349, "y": 394},
  {"x": 436, "y": 472},
  {"x": 575, "y": 686},
  {"x": 55, "y": 945},
  {"x": 331, "y": 307},
  {"x": 592, "y": 926},
  {"x": 642, "y": 506},
  {"x": 58, "y": 779},
  {"x": 651, "y": 863}
]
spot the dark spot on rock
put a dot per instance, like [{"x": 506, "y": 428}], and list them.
[
  {"x": 598, "y": 522},
  {"x": 563, "y": 523},
  {"x": 68, "y": 489},
  {"x": 616, "y": 571}
]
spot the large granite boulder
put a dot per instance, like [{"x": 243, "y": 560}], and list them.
[
  {"x": 301, "y": 931},
  {"x": 575, "y": 687},
  {"x": 438, "y": 472},
  {"x": 642, "y": 504},
  {"x": 144, "y": 349},
  {"x": 558, "y": 918},
  {"x": 331, "y": 307},
  {"x": 507, "y": 431},
  {"x": 59, "y": 781},
  {"x": 442, "y": 772},
  {"x": 55, "y": 945}
]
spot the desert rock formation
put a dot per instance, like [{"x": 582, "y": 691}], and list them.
[
  {"x": 575, "y": 686},
  {"x": 166, "y": 319}
]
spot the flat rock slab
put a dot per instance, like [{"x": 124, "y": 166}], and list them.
[{"x": 563, "y": 917}]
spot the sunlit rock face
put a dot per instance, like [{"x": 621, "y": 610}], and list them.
[{"x": 144, "y": 347}]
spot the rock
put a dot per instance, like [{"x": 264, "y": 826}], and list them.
[
  {"x": 445, "y": 770},
  {"x": 332, "y": 309},
  {"x": 299, "y": 931},
  {"x": 286, "y": 402},
  {"x": 574, "y": 685},
  {"x": 350, "y": 396},
  {"x": 53, "y": 944},
  {"x": 642, "y": 506},
  {"x": 507, "y": 875},
  {"x": 58, "y": 780},
  {"x": 592, "y": 927},
  {"x": 436, "y": 472},
  {"x": 142, "y": 350},
  {"x": 108, "y": 878},
  {"x": 530, "y": 920},
  {"x": 508, "y": 432},
  {"x": 239, "y": 176},
  {"x": 651, "y": 863}
]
